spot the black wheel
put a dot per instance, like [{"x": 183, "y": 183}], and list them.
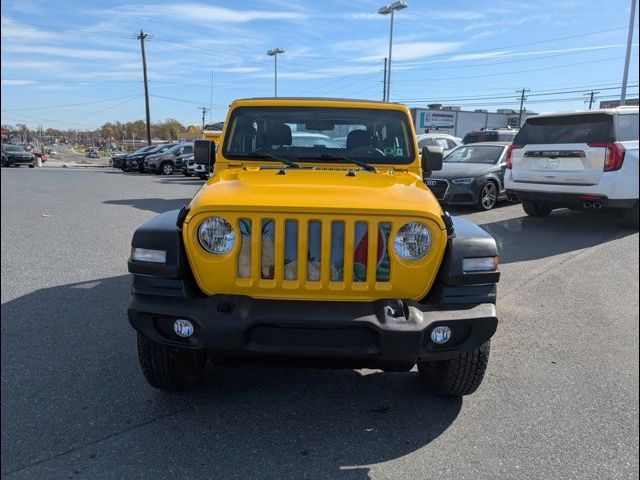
[
  {"x": 4, "y": 162},
  {"x": 488, "y": 196},
  {"x": 456, "y": 377},
  {"x": 186, "y": 174},
  {"x": 534, "y": 209},
  {"x": 141, "y": 168},
  {"x": 630, "y": 217},
  {"x": 124, "y": 169},
  {"x": 166, "y": 168},
  {"x": 31, "y": 165},
  {"x": 169, "y": 368}
]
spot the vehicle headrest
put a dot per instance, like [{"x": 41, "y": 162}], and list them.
[
  {"x": 358, "y": 138},
  {"x": 280, "y": 134}
]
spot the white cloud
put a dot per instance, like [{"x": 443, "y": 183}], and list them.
[
  {"x": 199, "y": 12},
  {"x": 413, "y": 50},
  {"x": 478, "y": 56},
  {"x": 75, "y": 53},
  {"x": 17, "y": 31},
  {"x": 239, "y": 69},
  {"x": 11, "y": 83}
]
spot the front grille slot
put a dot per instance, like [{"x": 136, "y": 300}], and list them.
[
  {"x": 299, "y": 254},
  {"x": 438, "y": 187}
]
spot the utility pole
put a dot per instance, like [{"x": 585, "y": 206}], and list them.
[
  {"x": 211, "y": 99},
  {"x": 142, "y": 36},
  {"x": 625, "y": 75},
  {"x": 204, "y": 112},
  {"x": 522, "y": 99},
  {"x": 591, "y": 98},
  {"x": 384, "y": 82}
]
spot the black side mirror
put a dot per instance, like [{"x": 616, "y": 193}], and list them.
[
  {"x": 204, "y": 152},
  {"x": 431, "y": 160}
]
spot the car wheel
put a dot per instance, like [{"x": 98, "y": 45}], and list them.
[
  {"x": 186, "y": 174},
  {"x": 461, "y": 375},
  {"x": 4, "y": 162},
  {"x": 31, "y": 165},
  {"x": 166, "y": 168},
  {"x": 141, "y": 168},
  {"x": 534, "y": 209},
  {"x": 630, "y": 217},
  {"x": 169, "y": 368},
  {"x": 488, "y": 196}
]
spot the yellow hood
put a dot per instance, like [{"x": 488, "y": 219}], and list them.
[{"x": 386, "y": 192}]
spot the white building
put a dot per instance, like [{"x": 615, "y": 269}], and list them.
[{"x": 454, "y": 121}]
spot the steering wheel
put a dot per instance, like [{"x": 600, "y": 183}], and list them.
[{"x": 368, "y": 151}]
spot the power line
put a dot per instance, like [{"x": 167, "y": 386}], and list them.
[{"x": 68, "y": 104}]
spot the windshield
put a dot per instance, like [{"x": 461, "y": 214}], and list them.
[
  {"x": 488, "y": 154},
  {"x": 307, "y": 134},
  {"x": 144, "y": 149},
  {"x": 14, "y": 148}
]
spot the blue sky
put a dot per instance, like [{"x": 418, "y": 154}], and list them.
[{"x": 468, "y": 53}]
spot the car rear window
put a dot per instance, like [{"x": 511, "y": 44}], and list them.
[
  {"x": 587, "y": 128},
  {"x": 628, "y": 128},
  {"x": 475, "y": 137}
]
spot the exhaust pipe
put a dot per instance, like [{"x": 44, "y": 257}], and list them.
[
  {"x": 587, "y": 204},
  {"x": 597, "y": 205}
]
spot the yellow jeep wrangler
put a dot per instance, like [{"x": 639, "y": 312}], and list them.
[{"x": 316, "y": 241}]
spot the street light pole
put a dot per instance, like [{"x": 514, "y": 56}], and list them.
[
  {"x": 274, "y": 53},
  {"x": 625, "y": 75},
  {"x": 390, "y": 9}
]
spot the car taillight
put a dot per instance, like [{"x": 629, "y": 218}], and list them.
[
  {"x": 510, "y": 150},
  {"x": 614, "y": 155}
]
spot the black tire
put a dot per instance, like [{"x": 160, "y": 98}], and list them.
[
  {"x": 141, "y": 168},
  {"x": 4, "y": 162},
  {"x": 167, "y": 168},
  {"x": 456, "y": 377},
  {"x": 124, "y": 169},
  {"x": 488, "y": 196},
  {"x": 170, "y": 368},
  {"x": 630, "y": 217},
  {"x": 187, "y": 174},
  {"x": 534, "y": 209},
  {"x": 32, "y": 165}
]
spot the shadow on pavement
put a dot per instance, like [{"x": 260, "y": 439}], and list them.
[
  {"x": 158, "y": 205},
  {"x": 529, "y": 238},
  {"x": 75, "y": 403}
]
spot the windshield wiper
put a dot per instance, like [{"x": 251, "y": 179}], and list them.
[
  {"x": 360, "y": 163},
  {"x": 265, "y": 155}
]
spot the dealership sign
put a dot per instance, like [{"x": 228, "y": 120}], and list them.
[{"x": 436, "y": 120}]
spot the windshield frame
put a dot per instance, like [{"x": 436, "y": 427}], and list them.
[
  {"x": 14, "y": 148},
  {"x": 404, "y": 124}
]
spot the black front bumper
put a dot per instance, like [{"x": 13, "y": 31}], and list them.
[
  {"x": 377, "y": 331},
  {"x": 21, "y": 160}
]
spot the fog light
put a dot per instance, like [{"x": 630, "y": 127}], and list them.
[
  {"x": 441, "y": 334},
  {"x": 183, "y": 328}
]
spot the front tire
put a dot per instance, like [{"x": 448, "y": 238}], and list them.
[
  {"x": 31, "y": 165},
  {"x": 170, "y": 368},
  {"x": 459, "y": 376},
  {"x": 488, "y": 196},
  {"x": 167, "y": 168},
  {"x": 534, "y": 209}
]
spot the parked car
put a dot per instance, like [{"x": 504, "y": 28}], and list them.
[
  {"x": 490, "y": 135},
  {"x": 472, "y": 175},
  {"x": 447, "y": 142},
  {"x": 136, "y": 161},
  {"x": 190, "y": 168},
  {"x": 16, "y": 155},
  {"x": 163, "y": 162},
  {"x": 120, "y": 161},
  {"x": 580, "y": 160},
  {"x": 342, "y": 262}
]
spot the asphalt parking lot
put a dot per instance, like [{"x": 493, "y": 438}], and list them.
[{"x": 560, "y": 399}]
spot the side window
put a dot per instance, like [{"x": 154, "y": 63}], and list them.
[
  {"x": 442, "y": 142},
  {"x": 187, "y": 149},
  {"x": 451, "y": 144},
  {"x": 627, "y": 128},
  {"x": 425, "y": 142}
]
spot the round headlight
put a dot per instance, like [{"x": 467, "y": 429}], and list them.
[
  {"x": 216, "y": 235},
  {"x": 412, "y": 241}
]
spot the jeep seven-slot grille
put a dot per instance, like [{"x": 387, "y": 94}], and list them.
[{"x": 334, "y": 252}]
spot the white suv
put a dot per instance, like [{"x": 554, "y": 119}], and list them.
[{"x": 583, "y": 159}]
